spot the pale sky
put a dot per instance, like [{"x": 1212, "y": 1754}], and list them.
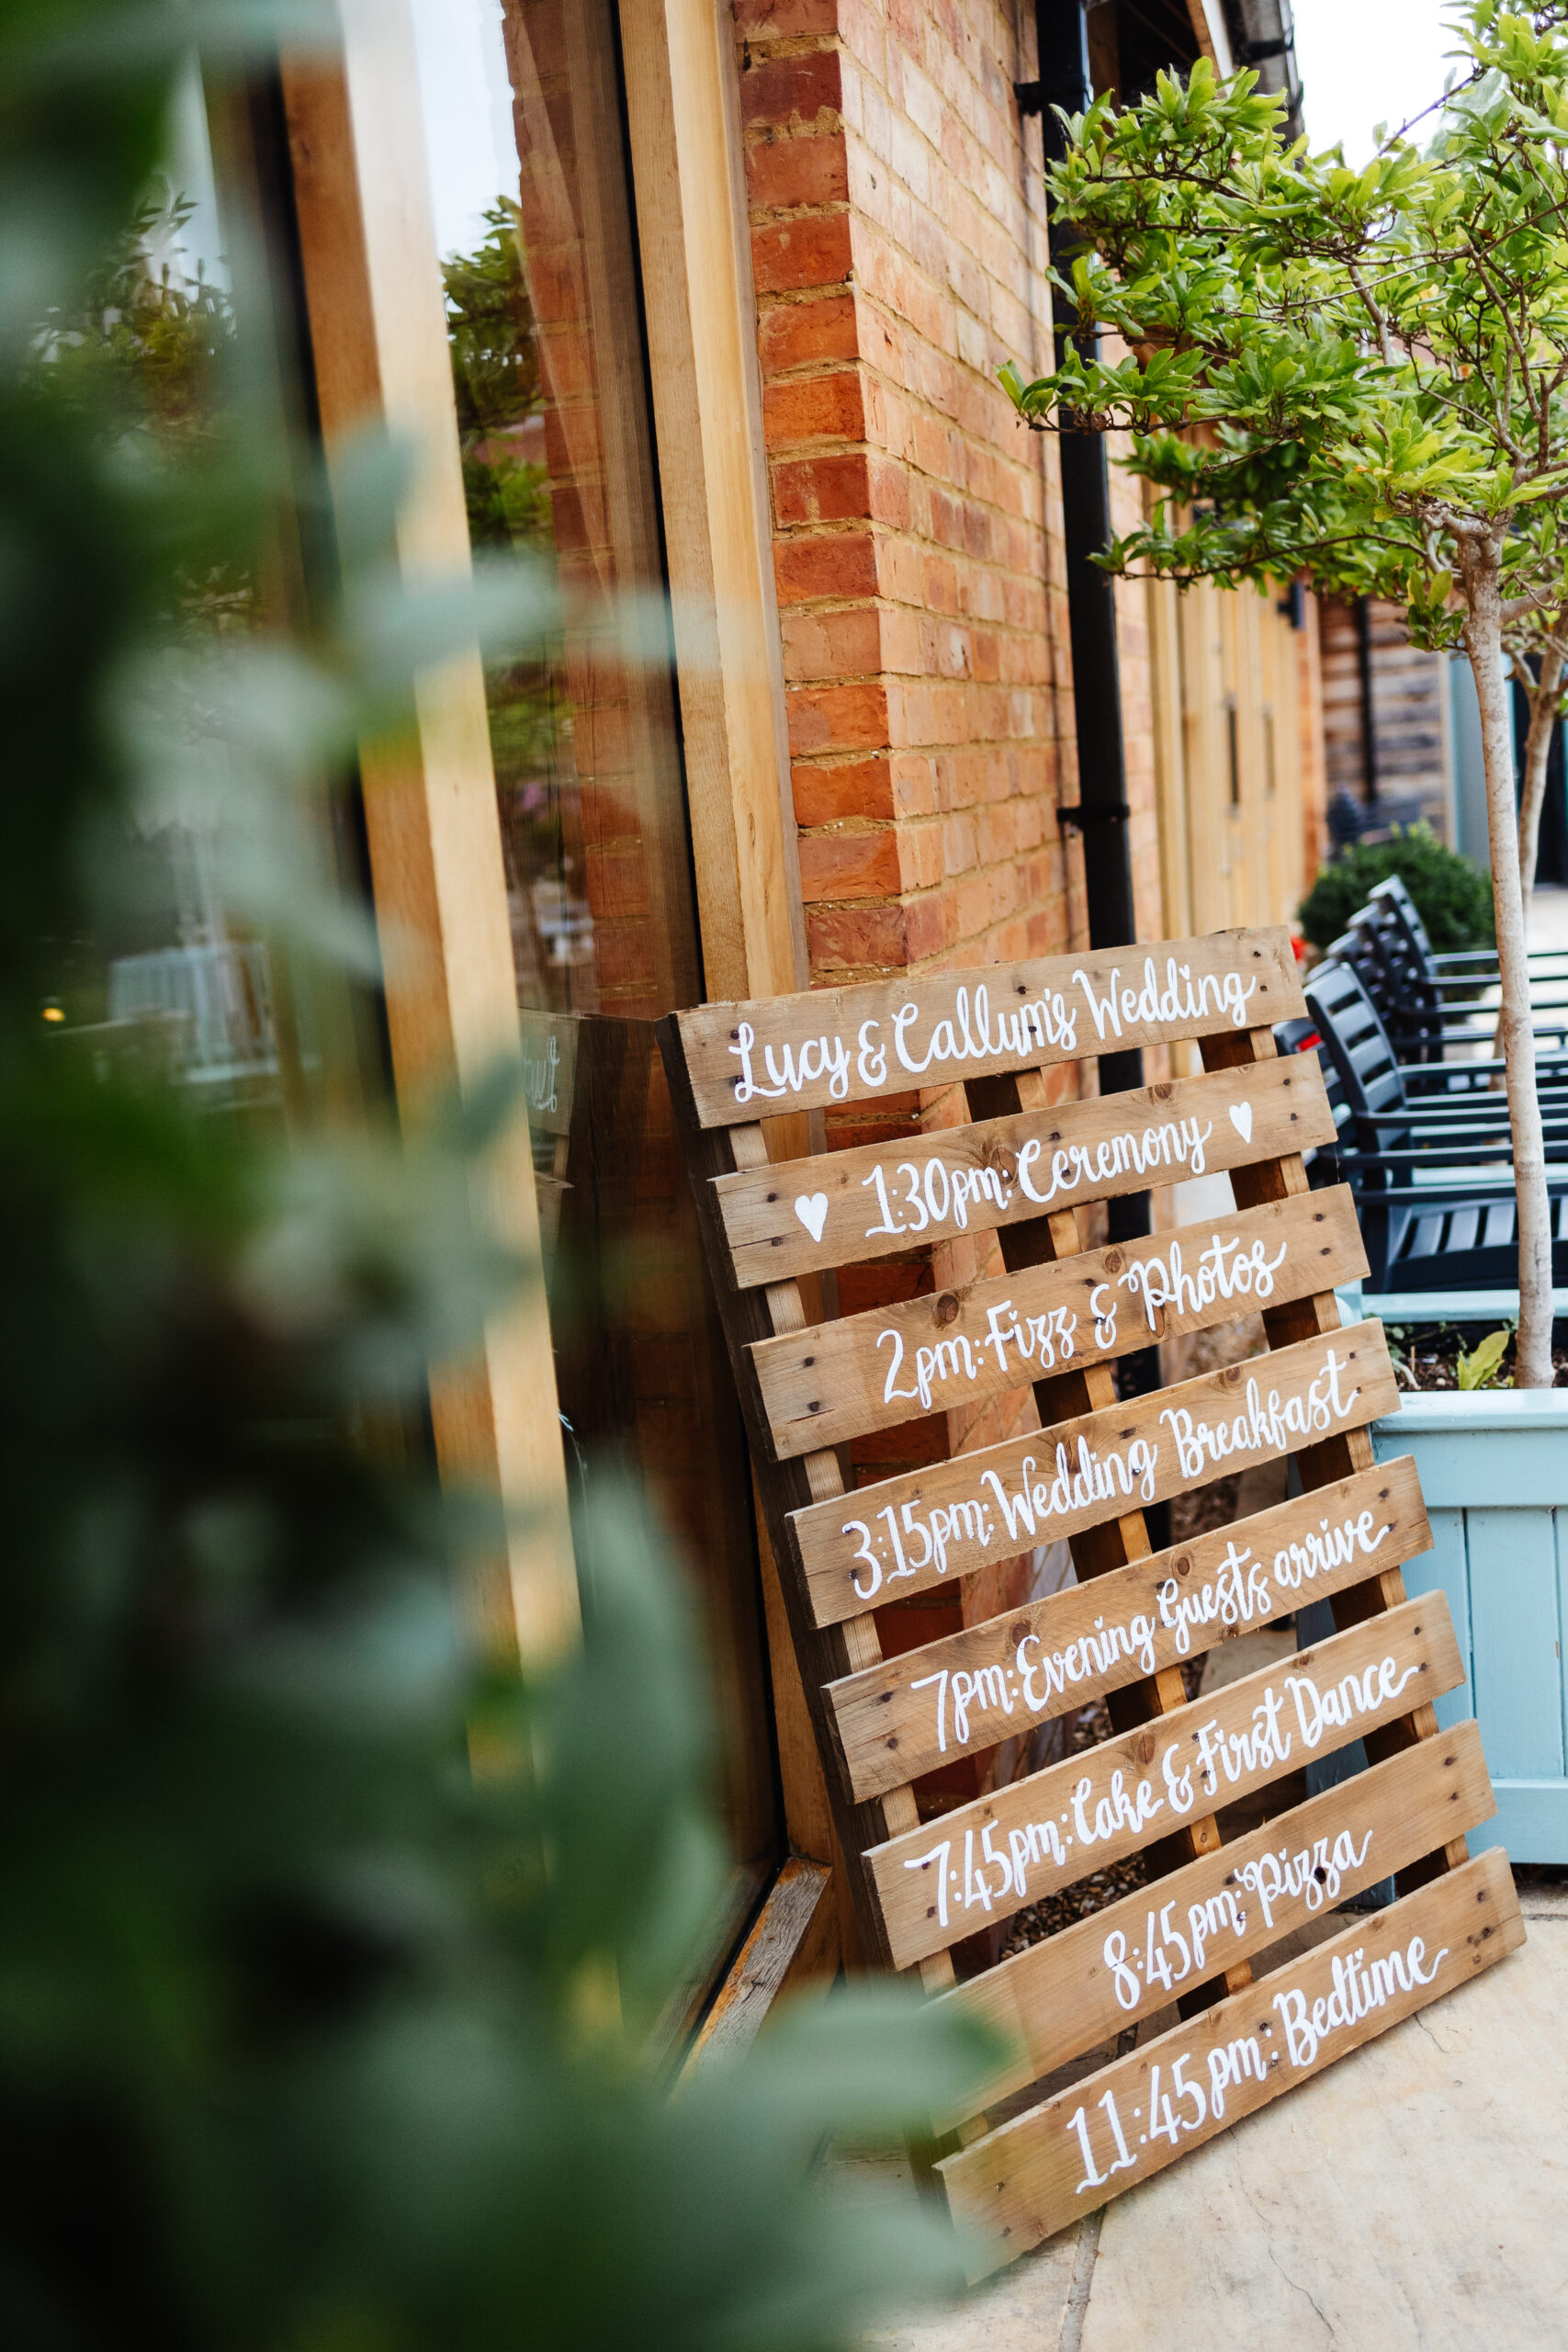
[
  {"x": 467, "y": 115},
  {"x": 1365, "y": 62}
]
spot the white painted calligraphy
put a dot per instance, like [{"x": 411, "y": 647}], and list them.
[
  {"x": 1178, "y": 1000},
  {"x": 1357, "y": 1991}
]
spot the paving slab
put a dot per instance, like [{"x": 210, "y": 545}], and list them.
[{"x": 1024, "y": 2309}]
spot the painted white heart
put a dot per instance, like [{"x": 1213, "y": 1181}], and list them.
[
  {"x": 1241, "y": 1120},
  {"x": 812, "y": 1210}
]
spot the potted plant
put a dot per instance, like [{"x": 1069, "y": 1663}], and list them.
[{"x": 1356, "y": 376}]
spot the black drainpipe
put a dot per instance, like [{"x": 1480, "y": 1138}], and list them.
[
  {"x": 1101, "y": 811},
  {"x": 1368, "y": 715}
]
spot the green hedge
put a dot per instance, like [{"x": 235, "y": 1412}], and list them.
[{"x": 1454, "y": 896}]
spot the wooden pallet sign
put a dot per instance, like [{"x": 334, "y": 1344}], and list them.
[{"x": 1007, "y": 1161}]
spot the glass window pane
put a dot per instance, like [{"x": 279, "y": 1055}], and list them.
[{"x": 536, "y": 225}]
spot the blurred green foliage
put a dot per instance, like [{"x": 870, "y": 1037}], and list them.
[
  {"x": 1453, "y": 895},
  {"x": 311, "y": 2039}
]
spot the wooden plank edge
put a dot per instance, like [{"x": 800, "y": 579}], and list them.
[
  {"x": 1018, "y": 2171},
  {"x": 983, "y": 1679},
  {"x": 785, "y": 1948}
]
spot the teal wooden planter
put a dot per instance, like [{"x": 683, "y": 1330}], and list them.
[{"x": 1494, "y": 1470}]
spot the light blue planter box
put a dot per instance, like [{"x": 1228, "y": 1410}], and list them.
[{"x": 1494, "y": 1471}]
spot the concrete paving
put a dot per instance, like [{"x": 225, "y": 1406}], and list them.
[
  {"x": 1549, "y": 918},
  {"x": 1413, "y": 2199}
]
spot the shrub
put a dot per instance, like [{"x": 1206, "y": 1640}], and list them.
[{"x": 1453, "y": 894}]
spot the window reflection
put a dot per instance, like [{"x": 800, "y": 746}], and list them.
[
  {"x": 169, "y": 975},
  {"x": 539, "y": 264}
]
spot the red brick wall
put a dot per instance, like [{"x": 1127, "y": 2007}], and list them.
[
  {"x": 898, "y": 236},
  {"x": 899, "y": 243}
]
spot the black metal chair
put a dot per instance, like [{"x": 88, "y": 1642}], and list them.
[
  {"x": 1428, "y": 1151},
  {"x": 1432, "y": 1004}
]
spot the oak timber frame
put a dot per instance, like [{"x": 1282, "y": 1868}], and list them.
[{"x": 379, "y": 357}]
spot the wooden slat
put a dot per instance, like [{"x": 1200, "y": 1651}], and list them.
[
  {"x": 1242, "y": 1415},
  {"x": 838, "y": 1045},
  {"x": 953, "y": 1348},
  {"x": 1028, "y": 2179},
  {"x": 940, "y": 1883},
  {"x": 1057, "y": 1998},
  {"x": 842, "y": 1206},
  {"x": 778, "y": 1953},
  {"x": 996, "y": 1680}
]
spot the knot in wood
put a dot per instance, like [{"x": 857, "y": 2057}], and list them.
[
  {"x": 1113, "y": 1262},
  {"x": 947, "y": 1306},
  {"x": 1183, "y": 1566},
  {"x": 1144, "y": 1748}
]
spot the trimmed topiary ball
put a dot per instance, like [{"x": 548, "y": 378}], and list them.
[{"x": 1453, "y": 894}]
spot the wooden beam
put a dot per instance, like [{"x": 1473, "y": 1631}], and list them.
[
  {"x": 682, "y": 109},
  {"x": 787, "y": 1948},
  {"x": 378, "y": 334}
]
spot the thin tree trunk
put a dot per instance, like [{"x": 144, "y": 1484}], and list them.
[
  {"x": 1543, "y": 694},
  {"x": 1544, "y": 698},
  {"x": 1480, "y": 569}
]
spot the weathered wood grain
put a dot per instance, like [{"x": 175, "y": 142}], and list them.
[
  {"x": 954, "y": 1347},
  {"x": 1028, "y": 2179},
  {"x": 797, "y": 1053},
  {"x": 996, "y": 1680},
  {"x": 1063, "y": 1996},
  {"x": 787, "y": 1936},
  {"x": 985, "y": 1861},
  {"x": 912, "y": 1533},
  {"x": 845, "y": 1206}
]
